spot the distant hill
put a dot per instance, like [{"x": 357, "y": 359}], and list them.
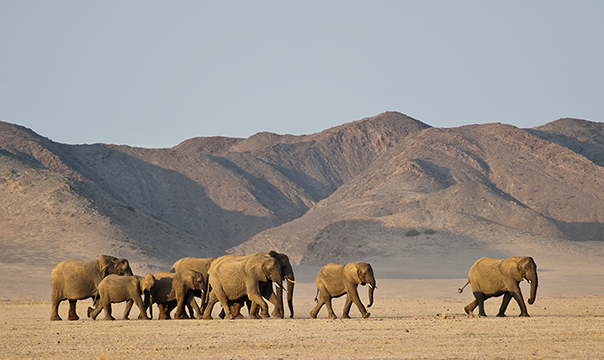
[{"x": 347, "y": 193}]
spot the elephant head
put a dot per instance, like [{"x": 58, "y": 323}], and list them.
[
  {"x": 112, "y": 265},
  {"x": 265, "y": 268},
  {"x": 528, "y": 270},
  {"x": 365, "y": 276},
  {"x": 288, "y": 275}
]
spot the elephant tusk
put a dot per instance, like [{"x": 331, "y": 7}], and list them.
[
  {"x": 530, "y": 282},
  {"x": 371, "y": 286},
  {"x": 291, "y": 281}
]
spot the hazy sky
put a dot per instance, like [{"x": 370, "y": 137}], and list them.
[{"x": 154, "y": 73}]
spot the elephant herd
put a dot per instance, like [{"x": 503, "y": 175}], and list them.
[{"x": 235, "y": 281}]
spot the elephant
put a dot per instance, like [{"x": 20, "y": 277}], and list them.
[
  {"x": 490, "y": 277},
  {"x": 75, "y": 280},
  {"x": 175, "y": 290},
  {"x": 116, "y": 289},
  {"x": 266, "y": 289},
  {"x": 200, "y": 265},
  {"x": 232, "y": 277},
  {"x": 336, "y": 280}
]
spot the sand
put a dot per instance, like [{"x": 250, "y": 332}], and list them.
[{"x": 410, "y": 319}]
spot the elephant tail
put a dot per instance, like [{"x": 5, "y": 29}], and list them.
[
  {"x": 317, "y": 295},
  {"x": 460, "y": 290}
]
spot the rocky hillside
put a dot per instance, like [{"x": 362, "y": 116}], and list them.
[{"x": 347, "y": 193}]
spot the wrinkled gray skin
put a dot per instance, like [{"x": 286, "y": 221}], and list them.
[
  {"x": 117, "y": 289},
  {"x": 336, "y": 280},
  {"x": 266, "y": 289},
  {"x": 490, "y": 277},
  {"x": 175, "y": 289},
  {"x": 75, "y": 280},
  {"x": 201, "y": 265},
  {"x": 232, "y": 277}
]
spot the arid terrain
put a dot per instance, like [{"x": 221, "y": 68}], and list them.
[
  {"x": 411, "y": 319},
  {"x": 419, "y": 203}
]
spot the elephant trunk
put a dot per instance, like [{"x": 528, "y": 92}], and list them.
[
  {"x": 534, "y": 283},
  {"x": 290, "y": 298},
  {"x": 370, "y": 292}
]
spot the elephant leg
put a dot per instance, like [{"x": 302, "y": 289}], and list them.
[
  {"x": 164, "y": 311},
  {"x": 54, "y": 311},
  {"x": 93, "y": 313},
  {"x": 504, "y": 304},
  {"x": 108, "y": 310},
  {"x": 331, "y": 314},
  {"x": 480, "y": 298},
  {"x": 315, "y": 311},
  {"x": 209, "y": 306},
  {"x": 353, "y": 295},
  {"x": 194, "y": 308},
  {"x": 127, "y": 309},
  {"x": 346, "y": 310},
  {"x": 72, "y": 310},
  {"x": 519, "y": 299},
  {"x": 224, "y": 301},
  {"x": 470, "y": 308}
]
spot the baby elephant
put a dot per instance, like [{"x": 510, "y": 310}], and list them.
[
  {"x": 116, "y": 289},
  {"x": 336, "y": 280},
  {"x": 175, "y": 290}
]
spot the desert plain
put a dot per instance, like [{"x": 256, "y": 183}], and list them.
[{"x": 410, "y": 319}]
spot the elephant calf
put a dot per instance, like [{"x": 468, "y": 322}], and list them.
[
  {"x": 490, "y": 277},
  {"x": 116, "y": 289},
  {"x": 336, "y": 280},
  {"x": 175, "y": 289}
]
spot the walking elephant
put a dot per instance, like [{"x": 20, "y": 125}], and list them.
[
  {"x": 336, "y": 280},
  {"x": 232, "y": 277},
  {"x": 490, "y": 277},
  {"x": 201, "y": 265},
  {"x": 175, "y": 290},
  {"x": 75, "y": 280},
  {"x": 266, "y": 289},
  {"x": 116, "y": 289}
]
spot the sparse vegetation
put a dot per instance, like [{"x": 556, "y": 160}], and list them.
[
  {"x": 412, "y": 232},
  {"x": 429, "y": 231}
]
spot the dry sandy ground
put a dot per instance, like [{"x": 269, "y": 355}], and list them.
[{"x": 410, "y": 319}]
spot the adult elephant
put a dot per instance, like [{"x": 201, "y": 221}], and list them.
[
  {"x": 75, "y": 280},
  {"x": 232, "y": 277},
  {"x": 266, "y": 289},
  {"x": 336, "y": 280},
  {"x": 490, "y": 277},
  {"x": 201, "y": 265},
  {"x": 175, "y": 290}
]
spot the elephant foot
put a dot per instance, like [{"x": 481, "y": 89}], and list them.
[
  {"x": 90, "y": 310},
  {"x": 332, "y": 317},
  {"x": 366, "y": 315},
  {"x": 314, "y": 316},
  {"x": 345, "y": 316},
  {"x": 55, "y": 318},
  {"x": 525, "y": 315},
  {"x": 468, "y": 310},
  {"x": 239, "y": 316},
  {"x": 501, "y": 315},
  {"x": 110, "y": 318},
  {"x": 73, "y": 317},
  {"x": 252, "y": 316},
  {"x": 207, "y": 317}
]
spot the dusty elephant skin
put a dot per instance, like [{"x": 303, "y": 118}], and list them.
[
  {"x": 172, "y": 290},
  {"x": 490, "y": 277},
  {"x": 117, "y": 289},
  {"x": 232, "y": 277},
  {"x": 336, "y": 280},
  {"x": 201, "y": 265},
  {"x": 266, "y": 289},
  {"x": 75, "y": 280}
]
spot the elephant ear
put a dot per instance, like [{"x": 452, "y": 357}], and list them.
[
  {"x": 254, "y": 267},
  {"x": 149, "y": 281},
  {"x": 105, "y": 264}
]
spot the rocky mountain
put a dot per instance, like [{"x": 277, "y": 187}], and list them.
[{"x": 351, "y": 192}]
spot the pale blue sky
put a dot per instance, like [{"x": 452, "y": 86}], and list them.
[{"x": 154, "y": 73}]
